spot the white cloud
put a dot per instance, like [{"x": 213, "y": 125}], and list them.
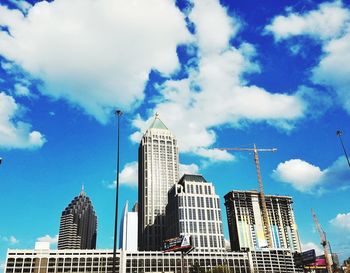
[
  {"x": 329, "y": 24},
  {"x": 342, "y": 221},
  {"x": 15, "y": 133},
  {"x": 308, "y": 178},
  {"x": 334, "y": 68},
  {"x": 188, "y": 169},
  {"x": 96, "y": 54},
  {"x": 311, "y": 245},
  {"x": 213, "y": 27},
  {"x": 48, "y": 238},
  {"x": 216, "y": 93},
  {"x": 300, "y": 174},
  {"x": 12, "y": 239},
  {"x": 21, "y": 90},
  {"x": 129, "y": 175},
  {"x": 215, "y": 154},
  {"x": 326, "y": 22}
]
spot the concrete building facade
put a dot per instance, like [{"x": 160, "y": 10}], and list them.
[
  {"x": 194, "y": 209},
  {"x": 244, "y": 216},
  {"x": 158, "y": 172},
  {"x": 78, "y": 225}
]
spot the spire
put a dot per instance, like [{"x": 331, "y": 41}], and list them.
[
  {"x": 157, "y": 123},
  {"x": 82, "y": 192}
]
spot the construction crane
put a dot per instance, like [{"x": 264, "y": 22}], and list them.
[
  {"x": 261, "y": 187},
  {"x": 324, "y": 243}
]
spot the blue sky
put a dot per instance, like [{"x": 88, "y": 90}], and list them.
[{"x": 219, "y": 73}]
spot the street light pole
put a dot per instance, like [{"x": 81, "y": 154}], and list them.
[
  {"x": 118, "y": 113},
  {"x": 339, "y": 134}
]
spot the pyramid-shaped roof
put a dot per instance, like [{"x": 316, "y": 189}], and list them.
[{"x": 157, "y": 123}]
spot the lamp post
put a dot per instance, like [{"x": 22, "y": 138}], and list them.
[
  {"x": 118, "y": 113},
  {"x": 339, "y": 134}
]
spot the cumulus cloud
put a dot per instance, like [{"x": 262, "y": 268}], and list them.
[
  {"x": 13, "y": 132},
  {"x": 188, "y": 169},
  {"x": 311, "y": 245},
  {"x": 48, "y": 238},
  {"x": 215, "y": 93},
  {"x": 300, "y": 174},
  {"x": 21, "y": 90},
  {"x": 95, "y": 54},
  {"x": 12, "y": 239},
  {"x": 308, "y": 178},
  {"x": 342, "y": 221},
  {"x": 326, "y": 22},
  {"x": 329, "y": 24},
  {"x": 128, "y": 176}
]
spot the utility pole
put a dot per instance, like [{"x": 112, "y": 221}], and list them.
[
  {"x": 261, "y": 187},
  {"x": 339, "y": 134},
  {"x": 118, "y": 113}
]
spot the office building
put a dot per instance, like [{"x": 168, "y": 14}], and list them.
[
  {"x": 128, "y": 229},
  {"x": 194, "y": 209},
  {"x": 158, "y": 172},
  {"x": 273, "y": 260},
  {"x": 246, "y": 228},
  {"x": 78, "y": 226},
  {"x": 100, "y": 261}
]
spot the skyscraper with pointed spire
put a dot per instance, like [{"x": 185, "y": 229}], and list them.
[
  {"x": 78, "y": 226},
  {"x": 158, "y": 172}
]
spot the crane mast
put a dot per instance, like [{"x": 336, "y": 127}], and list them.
[
  {"x": 261, "y": 187},
  {"x": 324, "y": 243}
]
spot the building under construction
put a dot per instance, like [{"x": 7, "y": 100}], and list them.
[{"x": 246, "y": 224}]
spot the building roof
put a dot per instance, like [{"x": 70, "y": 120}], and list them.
[
  {"x": 157, "y": 123},
  {"x": 192, "y": 178}
]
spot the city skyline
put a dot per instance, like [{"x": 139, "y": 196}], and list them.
[{"x": 220, "y": 74}]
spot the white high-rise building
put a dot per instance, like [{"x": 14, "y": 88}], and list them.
[
  {"x": 246, "y": 228},
  {"x": 128, "y": 229},
  {"x": 158, "y": 172},
  {"x": 194, "y": 209}
]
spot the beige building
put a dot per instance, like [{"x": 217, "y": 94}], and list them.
[{"x": 158, "y": 172}]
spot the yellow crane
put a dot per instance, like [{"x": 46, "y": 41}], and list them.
[
  {"x": 324, "y": 243},
  {"x": 261, "y": 187}
]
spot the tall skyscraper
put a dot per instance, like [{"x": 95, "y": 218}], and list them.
[
  {"x": 128, "y": 229},
  {"x": 244, "y": 216},
  {"x": 158, "y": 172},
  {"x": 78, "y": 226},
  {"x": 194, "y": 209}
]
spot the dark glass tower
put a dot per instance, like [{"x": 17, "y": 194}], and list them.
[{"x": 78, "y": 226}]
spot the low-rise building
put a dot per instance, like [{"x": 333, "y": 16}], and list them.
[{"x": 44, "y": 260}]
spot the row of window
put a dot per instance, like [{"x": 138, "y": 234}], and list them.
[{"x": 190, "y": 201}]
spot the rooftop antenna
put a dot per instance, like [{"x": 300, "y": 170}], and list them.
[{"x": 339, "y": 134}]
